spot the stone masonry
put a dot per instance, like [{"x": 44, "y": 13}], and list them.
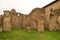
[
  {"x": 6, "y": 21},
  {"x": 1, "y": 22},
  {"x": 36, "y": 20},
  {"x": 39, "y": 19}
]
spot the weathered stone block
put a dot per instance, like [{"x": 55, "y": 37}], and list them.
[
  {"x": 34, "y": 25},
  {"x": 6, "y": 24},
  {"x": 28, "y": 29},
  {"x": 26, "y": 23},
  {"x": 0, "y": 29},
  {"x": 6, "y": 21},
  {"x": 40, "y": 25},
  {"x": 58, "y": 20},
  {"x": 1, "y": 23},
  {"x": 52, "y": 24}
]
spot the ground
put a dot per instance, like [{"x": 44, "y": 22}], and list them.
[{"x": 20, "y": 34}]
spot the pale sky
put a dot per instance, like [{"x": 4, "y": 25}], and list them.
[{"x": 22, "y": 6}]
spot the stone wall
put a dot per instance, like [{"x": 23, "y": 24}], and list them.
[
  {"x": 1, "y": 23},
  {"x": 36, "y": 20},
  {"x": 47, "y": 11},
  {"x": 16, "y": 19},
  {"x": 39, "y": 19},
  {"x": 6, "y": 21},
  {"x": 27, "y": 23},
  {"x": 52, "y": 20}
]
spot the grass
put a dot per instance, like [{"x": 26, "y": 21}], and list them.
[{"x": 20, "y": 34}]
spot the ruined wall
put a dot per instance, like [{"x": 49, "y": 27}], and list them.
[
  {"x": 33, "y": 15},
  {"x": 53, "y": 20},
  {"x": 16, "y": 19},
  {"x": 41, "y": 20},
  {"x": 58, "y": 18},
  {"x": 27, "y": 23},
  {"x": 37, "y": 19},
  {"x": 6, "y": 21},
  {"x": 1, "y": 23},
  {"x": 47, "y": 11}
]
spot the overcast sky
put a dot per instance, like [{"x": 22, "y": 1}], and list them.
[{"x": 22, "y": 6}]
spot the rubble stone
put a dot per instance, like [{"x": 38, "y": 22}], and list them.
[
  {"x": 1, "y": 23},
  {"x": 6, "y": 21}
]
